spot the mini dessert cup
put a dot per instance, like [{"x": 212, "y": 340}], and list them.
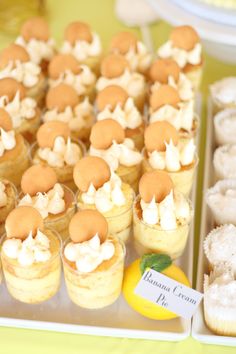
[
  {"x": 225, "y": 126},
  {"x": 65, "y": 173},
  {"x": 38, "y": 282},
  {"x": 224, "y": 161},
  {"x": 11, "y": 193},
  {"x": 98, "y": 288},
  {"x": 223, "y": 94},
  {"x": 153, "y": 239},
  {"x": 14, "y": 162},
  {"x": 29, "y": 127}
]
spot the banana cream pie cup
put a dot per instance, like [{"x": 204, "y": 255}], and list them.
[
  {"x": 30, "y": 256},
  {"x": 84, "y": 44},
  {"x": 54, "y": 201},
  {"x": 102, "y": 190},
  {"x": 35, "y": 38},
  {"x": 15, "y": 63},
  {"x": 55, "y": 148},
  {"x": 185, "y": 48},
  {"x": 161, "y": 216},
  {"x": 63, "y": 104},
  {"x": 24, "y": 112},
  {"x": 223, "y": 94},
  {"x": 8, "y": 200},
  {"x": 165, "y": 104},
  {"x": 108, "y": 142},
  {"x": 164, "y": 150},
  {"x": 65, "y": 68},
  {"x": 14, "y": 159},
  {"x": 115, "y": 70},
  {"x": 93, "y": 261},
  {"x": 113, "y": 102},
  {"x": 134, "y": 51}
]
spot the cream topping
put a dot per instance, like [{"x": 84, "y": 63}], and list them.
[
  {"x": 19, "y": 110},
  {"x": 88, "y": 255},
  {"x": 63, "y": 153},
  {"x": 124, "y": 154},
  {"x": 29, "y": 251},
  {"x": 170, "y": 212},
  {"x": 174, "y": 157},
  {"x": 82, "y": 49},
  {"x": 7, "y": 140},
  {"x": 80, "y": 82},
  {"x": 183, "y": 86},
  {"x": 139, "y": 58},
  {"x": 220, "y": 246},
  {"x": 38, "y": 50},
  {"x": 107, "y": 196},
  {"x": 181, "y": 118},
  {"x": 51, "y": 202},
  {"x": 224, "y": 90},
  {"x": 75, "y": 117},
  {"x": 27, "y": 73},
  {"x": 128, "y": 116},
  {"x": 3, "y": 195},
  {"x": 181, "y": 56},
  {"x": 225, "y": 126},
  {"x": 132, "y": 82},
  {"x": 224, "y": 161}
]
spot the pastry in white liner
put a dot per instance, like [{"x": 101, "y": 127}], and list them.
[
  {"x": 224, "y": 161},
  {"x": 220, "y": 246},
  {"x": 223, "y": 93},
  {"x": 225, "y": 126},
  {"x": 220, "y": 300},
  {"x": 221, "y": 199}
]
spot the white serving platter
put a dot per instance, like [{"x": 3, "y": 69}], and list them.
[
  {"x": 199, "y": 329},
  {"x": 118, "y": 320}
]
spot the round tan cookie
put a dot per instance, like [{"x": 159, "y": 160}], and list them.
[
  {"x": 113, "y": 65},
  {"x": 9, "y": 88},
  {"x": 104, "y": 132},
  {"x": 23, "y": 220},
  {"x": 161, "y": 69},
  {"x": 112, "y": 96},
  {"x": 61, "y": 96},
  {"x": 184, "y": 37},
  {"x": 78, "y": 31},
  {"x": 38, "y": 178},
  {"x": 62, "y": 62},
  {"x": 12, "y": 53},
  {"x": 123, "y": 41},
  {"x": 35, "y": 28},
  {"x": 49, "y": 131},
  {"x": 91, "y": 169},
  {"x": 156, "y": 184},
  {"x": 85, "y": 224},
  {"x": 157, "y": 133},
  {"x": 5, "y": 120},
  {"x": 165, "y": 94}
]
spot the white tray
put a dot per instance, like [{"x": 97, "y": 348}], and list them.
[
  {"x": 199, "y": 329},
  {"x": 118, "y": 320}
]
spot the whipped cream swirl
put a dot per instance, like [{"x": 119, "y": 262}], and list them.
[
  {"x": 38, "y": 50},
  {"x": 51, "y": 202},
  {"x": 63, "y": 153},
  {"x": 181, "y": 56},
  {"x": 80, "y": 82},
  {"x": 29, "y": 251},
  {"x": 181, "y": 118},
  {"x": 83, "y": 49},
  {"x": 27, "y": 73},
  {"x": 7, "y": 141},
  {"x": 19, "y": 110},
  {"x": 139, "y": 58},
  {"x": 128, "y": 116},
  {"x": 3, "y": 195},
  {"x": 117, "y": 154},
  {"x": 88, "y": 255},
  {"x": 75, "y": 117},
  {"x": 132, "y": 82},
  {"x": 183, "y": 86},
  {"x": 107, "y": 196},
  {"x": 174, "y": 157},
  {"x": 172, "y": 211}
]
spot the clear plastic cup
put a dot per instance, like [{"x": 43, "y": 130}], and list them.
[{"x": 12, "y": 196}]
